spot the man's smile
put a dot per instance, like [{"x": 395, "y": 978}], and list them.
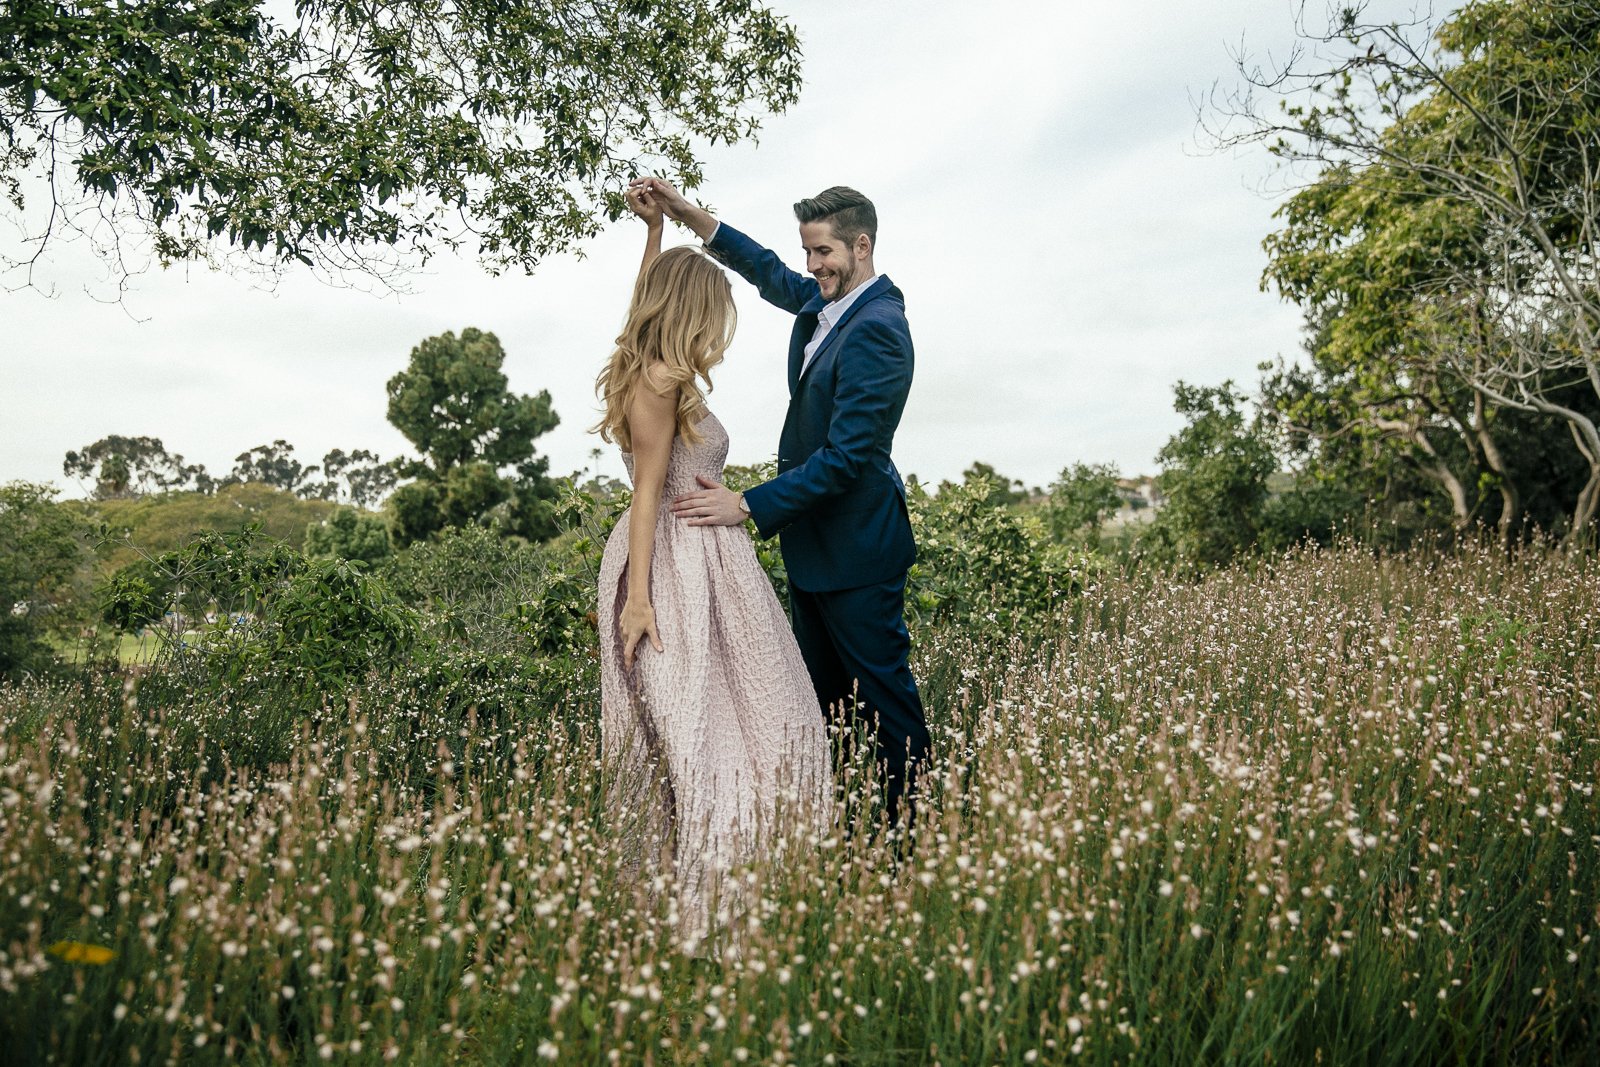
[{"x": 829, "y": 283}]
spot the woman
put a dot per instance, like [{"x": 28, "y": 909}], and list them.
[{"x": 708, "y": 714}]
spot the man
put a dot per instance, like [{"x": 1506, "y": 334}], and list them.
[{"x": 837, "y": 503}]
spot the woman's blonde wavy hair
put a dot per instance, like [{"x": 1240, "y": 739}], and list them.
[{"x": 681, "y": 320}]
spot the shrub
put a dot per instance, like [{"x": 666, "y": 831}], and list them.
[
  {"x": 1312, "y": 508},
  {"x": 243, "y": 606},
  {"x": 478, "y": 589},
  {"x": 348, "y": 534},
  {"x": 1081, "y": 499},
  {"x": 1214, "y": 476},
  {"x": 41, "y": 548},
  {"x": 983, "y": 568}
]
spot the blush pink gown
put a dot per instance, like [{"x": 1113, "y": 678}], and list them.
[{"x": 707, "y": 737}]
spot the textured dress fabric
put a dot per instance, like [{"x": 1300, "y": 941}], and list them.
[{"x": 717, "y": 740}]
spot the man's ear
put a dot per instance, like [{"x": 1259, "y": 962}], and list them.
[{"x": 863, "y": 246}]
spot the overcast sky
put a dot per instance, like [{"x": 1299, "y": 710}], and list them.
[{"x": 1067, "y": 250}]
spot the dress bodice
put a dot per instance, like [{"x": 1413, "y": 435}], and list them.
[{"x": 706, "y": 457}]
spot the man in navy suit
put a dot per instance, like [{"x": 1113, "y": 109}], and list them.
[{"x": 837, "y": 503}]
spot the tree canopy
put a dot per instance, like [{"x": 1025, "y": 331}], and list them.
[
  {"x": 360, "y": 476},
  {"x": 130, "y": 466},
  {"x": 453, "y": 404},
  {"x": 1444, "y": 251},
  {"x": 276, "y": 466},
  {"x": 351, "y": 130}
]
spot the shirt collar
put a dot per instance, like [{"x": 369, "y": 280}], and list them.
[{"x": 834, "y": 311}]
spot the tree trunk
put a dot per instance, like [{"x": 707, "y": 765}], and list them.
[
  {"x": 1435, "y": 467},
  {"x": 1510, "y": 498},
  {"x": 1589, "y": 496},
  {"x": 1457, "y": 491}
]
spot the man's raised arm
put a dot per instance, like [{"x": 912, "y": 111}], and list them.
[{"x": 758, "y": 265}]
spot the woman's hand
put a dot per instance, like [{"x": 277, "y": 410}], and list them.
[
  {"x": 638, "y": 621},
  {"x": 665, "y": 198},
  {"x": 665, "y": 195},
  {"x": 644, "y": 203}
]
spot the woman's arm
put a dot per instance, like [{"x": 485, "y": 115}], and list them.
[
  {"x": 652, "y": 424},
  {"x": 648, "y": 207}
]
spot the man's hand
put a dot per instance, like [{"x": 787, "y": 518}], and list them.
[
  {"x": 676, "y": 206},
  {"x": 663, "y": 193},
  {"x": 714, "y": 505}
]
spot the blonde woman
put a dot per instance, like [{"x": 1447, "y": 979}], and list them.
[{"x": 708, "y": 713}]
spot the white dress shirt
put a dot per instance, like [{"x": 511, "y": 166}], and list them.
[{"x": 828, "y": 318}]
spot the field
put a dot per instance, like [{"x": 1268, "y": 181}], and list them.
[
  {"x": 131, "y": 650},
  {"x": 1334, "y": 809}
]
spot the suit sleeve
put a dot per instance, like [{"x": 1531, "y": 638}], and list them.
[
  {"x": 874, "y": 378},
  {"x": 762, "y": 268}
]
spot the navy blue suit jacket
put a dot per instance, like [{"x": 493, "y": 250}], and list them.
[{"x": 838, "y": 503}]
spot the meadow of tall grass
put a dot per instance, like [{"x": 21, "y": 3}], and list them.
[{"x": 1336, "y": 808}]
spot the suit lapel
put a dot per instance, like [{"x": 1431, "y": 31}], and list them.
[
  {"x": 805, "y": 324},
  {"x": 873, "y": 291}
]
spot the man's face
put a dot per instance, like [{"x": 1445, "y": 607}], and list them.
[{"x": 836, "y": 266}]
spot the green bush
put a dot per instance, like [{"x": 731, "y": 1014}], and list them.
[
  {"x": 136, "y": 596},
  {"x": 1310, "y": 509},
  {"x": 1214, "y": 476},
  {"x": 349, "y": 534},
  {"x": 475, "y": 588},
  {"x": 237, "y": 606},
  {"x": 1081, "y": 499},
  {"x": 41, "y": 548},
  {"x": 984, "y": 568}
]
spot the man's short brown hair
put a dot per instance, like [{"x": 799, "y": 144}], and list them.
[{"x": 849, "y": 213}]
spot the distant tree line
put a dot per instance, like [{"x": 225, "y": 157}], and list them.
[
  {"x": 477, "y": 462},
  {"x": 124, "y": 467}
]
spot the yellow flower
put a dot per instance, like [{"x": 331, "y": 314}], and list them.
[{"x": 81, "y": 952}]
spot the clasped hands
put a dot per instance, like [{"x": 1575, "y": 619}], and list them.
[
  {"x": 714, "y": 505},
  {"x": 651, "y": 197}
]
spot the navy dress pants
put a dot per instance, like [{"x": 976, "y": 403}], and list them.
[{"x": 855, "y": 645}]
